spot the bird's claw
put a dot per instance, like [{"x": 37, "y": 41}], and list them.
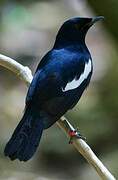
[{"x": 75, "y": 134}]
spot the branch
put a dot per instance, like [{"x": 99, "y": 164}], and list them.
[{"x": 25, "y": 74}]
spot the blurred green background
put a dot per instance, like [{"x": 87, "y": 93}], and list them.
[{"x": 27, "y": 31}]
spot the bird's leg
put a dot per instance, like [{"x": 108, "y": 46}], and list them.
[
  {"x": 75, "y": 134},
  {"x": 71, "y": 131}
]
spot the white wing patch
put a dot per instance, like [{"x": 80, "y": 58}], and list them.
[{"x": 76, "y": 82}]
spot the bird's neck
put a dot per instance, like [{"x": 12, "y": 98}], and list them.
[
  {"x": 64, "y": 39},
  {"x": 71, "y": 45}
]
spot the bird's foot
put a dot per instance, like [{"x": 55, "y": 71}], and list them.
[{"x": 75, "y": 134}]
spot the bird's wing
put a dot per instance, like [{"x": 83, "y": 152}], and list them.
[
  {"x": 52, "y": 80},
  {"x": 43, "y": 87},
  {"x": 85, "y": 68},
  {"x": 72, "y": 89},
  {"x": 41, "y": 81},
  {"x": 51, "y": 90}
]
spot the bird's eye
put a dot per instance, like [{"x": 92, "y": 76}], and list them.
[{"x": 77, "y": 26}]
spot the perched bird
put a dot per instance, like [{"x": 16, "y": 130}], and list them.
[{"x": 59, "y": 81}]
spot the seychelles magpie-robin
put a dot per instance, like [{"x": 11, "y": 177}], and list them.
[{"x": 59, "y": 81}]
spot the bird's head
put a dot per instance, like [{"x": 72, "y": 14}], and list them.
[{"x": 74, "y": 30}]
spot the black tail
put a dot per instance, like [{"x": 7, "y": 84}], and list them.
[{"x": 26, "y": 137}]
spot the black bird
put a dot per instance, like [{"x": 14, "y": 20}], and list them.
[{"x": 59, "y": 81}]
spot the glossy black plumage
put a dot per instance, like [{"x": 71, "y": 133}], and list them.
[{"x": 50, "y": 94}]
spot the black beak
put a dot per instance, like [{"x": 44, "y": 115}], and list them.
[
  {"x": 92, "y": 21},
  {"x": 96, "y": 19}
]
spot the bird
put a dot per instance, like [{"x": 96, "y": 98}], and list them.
[{"x": 58, "y": 84}]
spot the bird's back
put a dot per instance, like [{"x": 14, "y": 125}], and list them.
[{"x": 59, "y": 81}]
